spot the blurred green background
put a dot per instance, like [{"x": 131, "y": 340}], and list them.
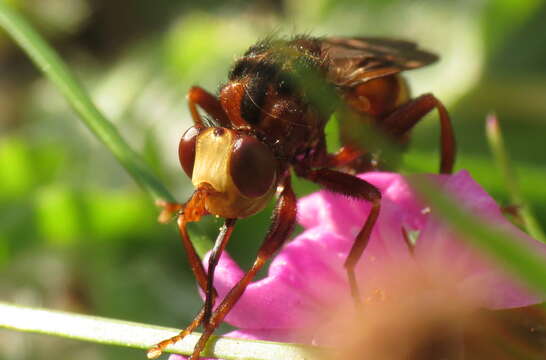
[{"x": 77, "y": 234}]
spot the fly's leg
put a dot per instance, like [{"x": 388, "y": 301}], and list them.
[
  {"x": 209, "y": 103},
  {"x": 402, "y": 120},
  {"x": 343, "y": 156},
  {"x": 168, "y": 211},
  {"x": 354, "y": 187},
  {"x": 284, "y": 218},
  {"x": 156, "y": 351},
  {"x": 192, "y": 211},
  {"x": 219, "y": 246}
]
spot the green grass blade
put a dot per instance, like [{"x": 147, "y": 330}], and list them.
[
  {"x": 54, "y": 68},
  {"x": 130, "y": 334},
  {"x": 510, "y": 253},
  {"x": 502, "y": 159}
]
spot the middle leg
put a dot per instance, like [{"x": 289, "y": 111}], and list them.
[{"x": 355, "y": 187}]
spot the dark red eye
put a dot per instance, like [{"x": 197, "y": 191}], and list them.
[
  {"x": 252, "y": 166},
  {"x": 186, "y": 149}
]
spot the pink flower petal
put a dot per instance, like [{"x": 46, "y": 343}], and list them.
[
  {"x": 177, "y": 357},
  {"x": 307, "y": 281},
  {"x": 343, "y": 214},
  {"x": 305, "y": 274},
  {"x": 278, "y": 335},
  {"x": 439, "y": 248},
  {"x": 288, "y": 299}
]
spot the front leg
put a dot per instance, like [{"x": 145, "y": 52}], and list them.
[
  {"x": 209, "y": 103},
  {"x": 216, "y": 252},
  {"x": 192, "y": 211},
  {"x": 355, "y": 187},
  {"x": 203, "y": 317},
  {"x": 284, "y": 218}
]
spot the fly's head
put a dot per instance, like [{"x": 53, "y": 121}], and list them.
[{"x": 236, "y": 171}]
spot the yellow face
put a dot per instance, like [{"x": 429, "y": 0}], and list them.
[{"x": 238, "y": 171}]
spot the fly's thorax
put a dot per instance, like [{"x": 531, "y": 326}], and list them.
[{"x": 238, "y": 170}]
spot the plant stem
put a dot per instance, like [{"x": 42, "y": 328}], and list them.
[
  {"x": 130, "y": 334},
  {"x": 502, "y": 159},
  {"x": 49, "y": 62}
]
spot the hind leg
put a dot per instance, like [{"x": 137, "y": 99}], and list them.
[{"x": 404, "y": 118}]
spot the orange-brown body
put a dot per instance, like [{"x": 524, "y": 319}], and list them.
[
  {"x": 259, "y": 99},
  {"x": 269, "y": 119}
]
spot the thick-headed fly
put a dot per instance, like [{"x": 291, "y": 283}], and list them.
[{"x": 266, "y": 122}]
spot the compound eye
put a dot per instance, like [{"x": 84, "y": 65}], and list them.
[
  {"x": 252, "y": 166},
  {"x": 186, "y": 149}
]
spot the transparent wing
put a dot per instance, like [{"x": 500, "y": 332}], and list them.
[{"x": 356, "y": 60}]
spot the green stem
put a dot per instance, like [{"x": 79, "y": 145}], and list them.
[
  {"x": 130, "y": 334},
  {"x": 502, "y": 159},
  {"x": 49, "y": 62}
]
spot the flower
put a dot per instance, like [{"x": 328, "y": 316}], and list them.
[{"x": 306, "y": 288}]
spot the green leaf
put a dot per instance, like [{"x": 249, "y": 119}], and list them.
[
  {"x": 49, "y": 62},
  {"x": 54, "y": 68}
]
